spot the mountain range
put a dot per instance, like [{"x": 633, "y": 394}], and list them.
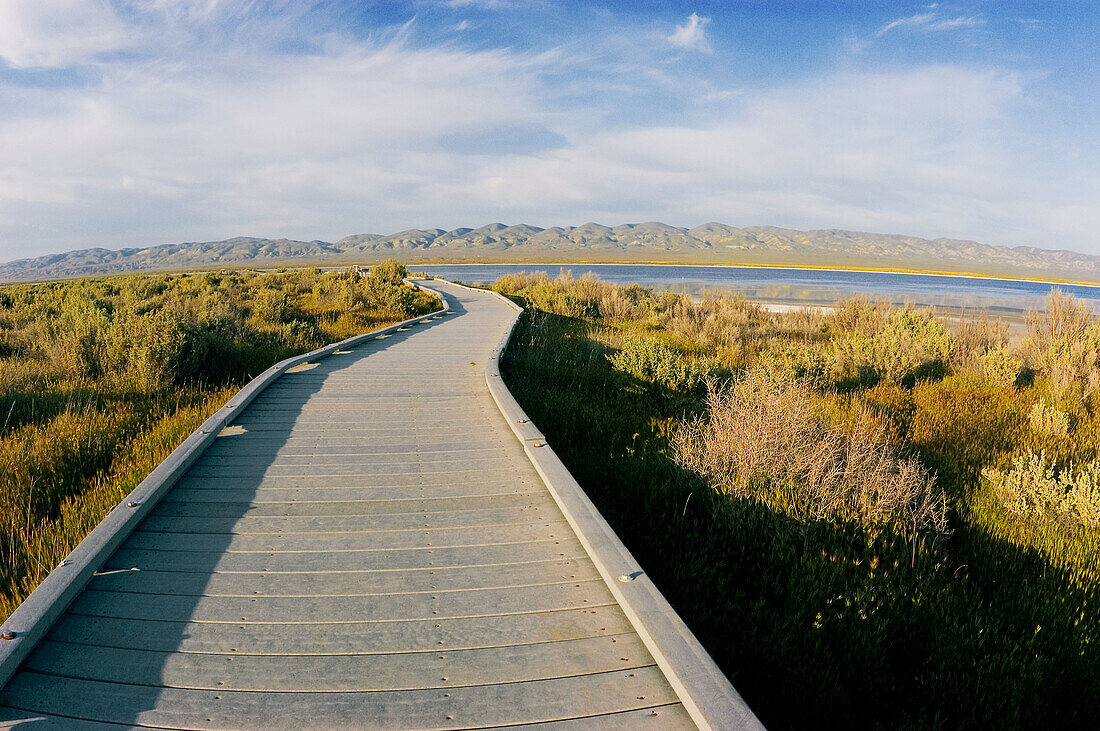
[{"x": 711, "y": 243}]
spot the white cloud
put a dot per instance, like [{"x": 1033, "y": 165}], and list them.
[
  {"x": 921, "y": 152},
  {"x": 195, "y": 145},
  {"x": 58, "y": 32},
  {"x": 352, "y": 136},
  {"x": 691, "y": 34},
  {"x": 931, "y": 22}
]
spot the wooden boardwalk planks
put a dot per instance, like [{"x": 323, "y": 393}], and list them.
[{"x": 368, "y": 546}]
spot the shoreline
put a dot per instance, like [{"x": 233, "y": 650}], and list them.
[
  {"x": 534, "y": 265},
  {"x": 786, "y": 267}
]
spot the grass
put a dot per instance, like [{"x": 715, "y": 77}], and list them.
[
  {"x": 100, "y": 379},
  {"x": 52, "y": 531},
  {"x": 988, "y": 619}
]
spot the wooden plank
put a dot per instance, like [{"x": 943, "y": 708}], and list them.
[
  {"x": 416, "y": 500},
  {"x": 336, "y": 522},
  {"x": 328, "y": 396},
  {"x": 344, "y": 638},
  {"x": 299, "y": 393},
  {"x": 322, "y": 393},
  {"x": 411, "y": 415},
  {"x": 352, "y": 490},
  {"x": 326, "y": 542},
  {"x": 440, "y": 667},
  {"x": 352, "y": 454},
  {"x": 454, "y": 478},
  {"x": 672, "y": 717},
  {"x": 409, "y": 461},
  {"x": 343, "y": 583},
  {"x": 368, "y": 438},
  {"x": 357, "y": 428},
  {"x": 316, "y": 561},
  {"x": 475, "y": 465},
  {"x": 363, "y": 423},
  {"x": 466, "y": 707},
  {"x": 336, "y": 609},
  {"x": 373, "y": 411},
  {"x": 11, "y": 718},
  {"x": 334, "y": 446}
]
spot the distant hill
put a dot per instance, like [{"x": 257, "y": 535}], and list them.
[
  {"x": 711, "y": 243},
  {"x": 166, "y": 257}
]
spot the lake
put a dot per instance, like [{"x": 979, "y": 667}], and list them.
[{"x": 799, "y": 286}]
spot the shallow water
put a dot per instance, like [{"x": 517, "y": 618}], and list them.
[{"x": 800, "y": 286}]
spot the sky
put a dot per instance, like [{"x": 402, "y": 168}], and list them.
[{"x": 130, "y": 123}]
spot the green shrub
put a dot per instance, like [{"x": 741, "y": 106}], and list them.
[
  {"x": 302, "y": 335},
  {"x": 146, "y": 349},
  {"x": 904, "y": 342},
  {"x": 387, "y": 273},
  {"x": 271, "y": 306},
  {"x": 1000, "y": 367},
  {"x": 654, "y": 362},
  {"x": 1033, "y": 489},
  {"x": 557, "y": 298},
  {"x": 793, "y": 360},
  {"x": 392, "y": 300},
  {"x": 1048, "y": 424},
  {"x": 959, "y": 426},
  {"x": 76, "y": 338}
]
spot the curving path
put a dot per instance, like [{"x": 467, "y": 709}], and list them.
[{"x": 367, "y": 546}]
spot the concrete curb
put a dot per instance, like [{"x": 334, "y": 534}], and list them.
[
  {"x": 32, "y": 619},
  {"x": 707, "y": 695}
]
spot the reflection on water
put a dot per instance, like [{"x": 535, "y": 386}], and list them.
[{"x": 801, "y": 286}]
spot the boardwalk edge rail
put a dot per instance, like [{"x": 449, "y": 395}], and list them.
[
  {"x": 32, "y": 619},
  {"x": 708, "y": 696}
]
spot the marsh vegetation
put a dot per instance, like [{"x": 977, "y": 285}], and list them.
[
  {"x": 100, "y": 379},
  {"x": 871, "y": 517}
]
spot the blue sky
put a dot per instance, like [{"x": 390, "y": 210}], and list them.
[{"x": 138, "y": 122}]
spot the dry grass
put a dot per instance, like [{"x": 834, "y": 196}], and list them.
[
  {"x": 732, "y": 322},
  {"x": 585, "y": 297},
  {"x": 763, "y": 439},
  {"x": 37, "y": 539},
  {"x": 1063, "y": 345},
  {"x": 974, "y": 336}
]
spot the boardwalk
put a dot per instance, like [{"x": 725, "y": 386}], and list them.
[{"x": 367, "y": 546}]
